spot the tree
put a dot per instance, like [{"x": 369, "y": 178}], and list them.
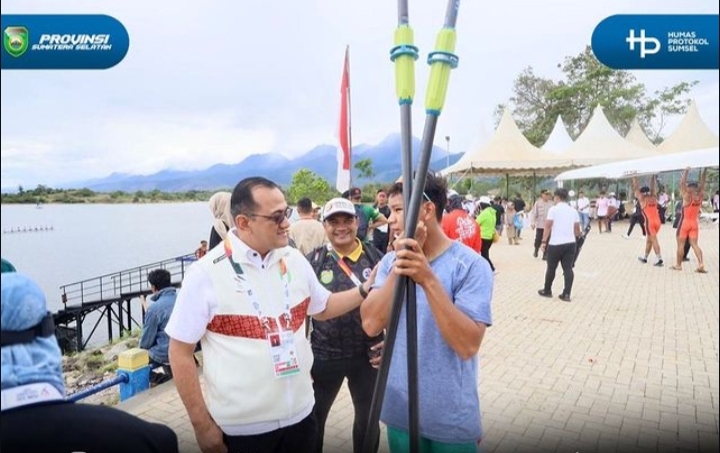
[
  {"x": 364, "y": 168},
  {"x": 306, "y": 183},
  {"x": 586, "y": 83}
]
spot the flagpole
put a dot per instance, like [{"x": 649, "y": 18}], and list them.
[{"x": 349, "y": 113}]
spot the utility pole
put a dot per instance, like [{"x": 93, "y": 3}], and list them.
[{"x": 447, "y": 158}]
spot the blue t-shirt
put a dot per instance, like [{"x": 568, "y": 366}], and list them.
[{"x": 449, "y": 402}]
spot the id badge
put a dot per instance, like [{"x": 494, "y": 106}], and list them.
[{"x": 284, "y": 355}]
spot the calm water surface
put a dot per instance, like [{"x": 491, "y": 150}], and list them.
[{"x": 90, "y": 240}]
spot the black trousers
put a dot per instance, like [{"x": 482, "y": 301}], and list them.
[
  {"x": 662, "y": 210},
  {"x": 328, "y": 376},
  {"x": 563, "y": 254},
  {"x": 298, "y": 437},
  {"x": 538, "y": 237},
  {"x": 485, "y": 251},
  {"x": 636, "y": 219}
]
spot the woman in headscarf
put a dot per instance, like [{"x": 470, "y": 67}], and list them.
[
  {"x": 220, "y": 208},
  {"x": 35, "y": 414}
]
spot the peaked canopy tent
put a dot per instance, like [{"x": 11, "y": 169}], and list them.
[
  {"x": 701, "y": 158},
  {"x": 508, "y": 152},
  {"x": 600, "y": 143},
  {"x": 559, "y": 140},
  {"x": 637, "y": 136},
  {"x": 691, "y": 133}
]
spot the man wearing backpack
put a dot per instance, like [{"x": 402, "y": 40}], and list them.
[
  {"x": 367, "y": 216},
  {"x": 340, "y": 346}
]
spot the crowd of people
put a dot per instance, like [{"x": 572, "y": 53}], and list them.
[{"x": 308, "y": 303}]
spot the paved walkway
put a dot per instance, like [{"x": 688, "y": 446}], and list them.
[{"x": 631, "y": 364}]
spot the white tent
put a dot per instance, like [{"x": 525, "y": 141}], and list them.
[
  {"x": 600, "y": 143},
  {"x": 559, "y": 140},
  {"x": 692, "y": 133},
  {"x": 508, "y": 152},
  {"x": 637, "y": 136},
  {"x": 700, "y": 158}
]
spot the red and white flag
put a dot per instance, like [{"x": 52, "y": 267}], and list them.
[{"x": 343, "y": 153}]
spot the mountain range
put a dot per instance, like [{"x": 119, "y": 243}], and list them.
[{"x": 385, "y": 157}]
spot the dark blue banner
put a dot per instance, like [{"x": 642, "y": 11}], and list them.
[
  {"x": 662, "y": 41},
  {"x": 62, "y": 41}
]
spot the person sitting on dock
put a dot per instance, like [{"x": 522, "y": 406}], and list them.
[
  {"x": 35, "y": 414},
  {"x": 158, "y": 310}
]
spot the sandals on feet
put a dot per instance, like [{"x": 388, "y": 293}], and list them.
[
  {"x": 701, "y": 270},
  {"x": 675, "y": 268}
]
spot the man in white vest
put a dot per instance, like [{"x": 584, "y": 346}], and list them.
[{"x": 246, "y": 301}]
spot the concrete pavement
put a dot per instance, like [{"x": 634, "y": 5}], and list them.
[{"x": 631, "y": 364}]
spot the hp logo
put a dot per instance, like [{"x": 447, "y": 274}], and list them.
[{"x": 643, "y": 41}]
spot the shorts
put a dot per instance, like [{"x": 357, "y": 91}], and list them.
[
  {"x": 399, "y": 442},
  {"x": 653, "y": 228},
  {"x": 688, "y": 230}
]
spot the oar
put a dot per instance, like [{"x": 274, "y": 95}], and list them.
[{"x": 442, "y": 60}]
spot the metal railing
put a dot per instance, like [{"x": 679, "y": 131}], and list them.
[{"x": 111, "y": 287}]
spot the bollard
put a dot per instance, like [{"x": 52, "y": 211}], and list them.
[{"x": 134, "y": 363}]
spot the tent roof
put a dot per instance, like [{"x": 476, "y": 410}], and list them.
[
  {"x": 508, "y": 151},
  {"x": 600, "y": 143},
  {"x": 559, "y": 140},
  {"x": 700, "y": 158},
  {"x": 637, "y": 136},
  {"x": 692, "y": 133}
]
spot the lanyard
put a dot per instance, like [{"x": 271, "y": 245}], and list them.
[
  {"x": 252, "y": 296},
  {"x": 25, "y": 395},
  {"x": 344, "y": 266}
]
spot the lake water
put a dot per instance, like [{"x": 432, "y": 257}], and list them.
[{"x": 90, "y": 240}]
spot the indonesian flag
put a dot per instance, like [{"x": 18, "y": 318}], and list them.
[{"x": 343, "y": 152}]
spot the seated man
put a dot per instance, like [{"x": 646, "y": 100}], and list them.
[
  {"x": 158, "y": 310},
  {"x": 35, "y": 414}
]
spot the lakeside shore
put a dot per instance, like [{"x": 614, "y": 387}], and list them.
[{"x": 83, "y": 370}]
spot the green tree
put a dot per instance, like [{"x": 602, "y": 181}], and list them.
[
  {"x": 306, "y": 183},
  {"x": 365, "y": 168},
  {"x": 586, "y": 83}
]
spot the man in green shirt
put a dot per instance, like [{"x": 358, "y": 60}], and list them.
[{"x": 368, "y": 217}]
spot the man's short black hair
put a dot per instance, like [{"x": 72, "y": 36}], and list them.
[
  {"x": 304, "y": 205},
  {"x": 159, "y": 278},
  {"x": 242, "y": 201},
  {"x": 436, "y": 189},
  {"x": 562, "y": 194}
]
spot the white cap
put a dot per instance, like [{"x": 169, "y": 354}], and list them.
[
  {"x": 451, "y": 192},
  {"x": 338, "y": 206},
  {"x": 469, "y": 197},
  {"x": 484, "y": 199}
]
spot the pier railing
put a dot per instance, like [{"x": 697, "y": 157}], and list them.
[
  {"x": 115, "y": 286},
  {"x": 109, "y": 297}
]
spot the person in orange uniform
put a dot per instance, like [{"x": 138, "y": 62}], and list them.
[
  {"x": 688, "y": 228},
  {"x": 647, "y": 197}
]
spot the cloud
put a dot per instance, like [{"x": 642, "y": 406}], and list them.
[{"x": 213, "y": 82}]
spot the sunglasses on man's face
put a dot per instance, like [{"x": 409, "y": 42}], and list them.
[{"x": 277, "y": 217}]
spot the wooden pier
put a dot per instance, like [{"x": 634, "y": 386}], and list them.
[{"x": 109, "y": 298}]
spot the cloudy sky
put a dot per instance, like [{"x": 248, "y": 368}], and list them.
[{"x": 212, "y": 82}]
